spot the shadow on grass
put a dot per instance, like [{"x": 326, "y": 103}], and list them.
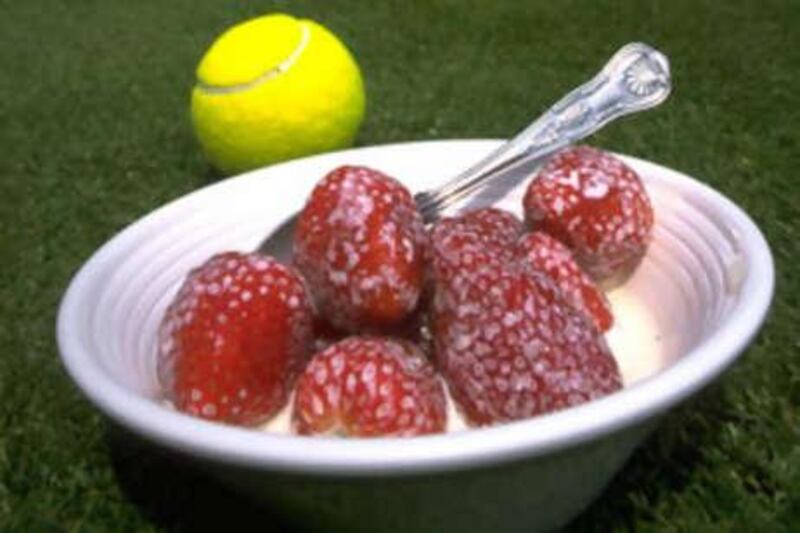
[
  {"x": 210, "y": 176},
  {"x": 663, "y": 464},
  {"x": 175, "y": 494}
]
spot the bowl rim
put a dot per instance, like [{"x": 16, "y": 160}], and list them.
[{"x": 434, "y": 453}]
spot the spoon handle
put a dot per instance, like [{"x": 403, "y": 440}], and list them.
[{"x": 636, "y": 78}]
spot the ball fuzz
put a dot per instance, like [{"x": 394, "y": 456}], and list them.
[{"x": 274, "y": 88}]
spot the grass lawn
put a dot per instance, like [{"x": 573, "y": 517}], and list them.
[{"x": 94, "y": 134}]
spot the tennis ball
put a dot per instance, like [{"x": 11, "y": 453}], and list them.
[{"x": 274, "y": 88}]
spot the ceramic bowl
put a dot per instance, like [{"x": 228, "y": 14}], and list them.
[{"x": 703, "y": 289}]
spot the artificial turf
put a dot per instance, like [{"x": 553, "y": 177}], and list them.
[{"x": 94, "y": 134}]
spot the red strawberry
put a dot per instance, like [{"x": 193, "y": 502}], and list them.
[
  {"x": 325, "y": 333},
  {"x": 369, "y": 387},
  {"x": 506, "y": 341},
  {"x": 499, "y": 227},
  {"x": 474, "y": 244},
  {"x": 360, "y": 244},
  {"x": 479, "y": 239},
  {"x": 234, "y": 339},
  {"x": 546, "y": 254},
  {"x": 596, "y": 205}
]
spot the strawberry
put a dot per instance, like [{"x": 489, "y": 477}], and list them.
[
  {"x": 234, "y": 339},
  {"x": 325, "y": 333},
  {"x": 369, "y": 387},
  {"x": 544, "y": 253},
  {"x": 360, "y": 244},
  {"x": 497, "y": 226},
  {"x": 597, "y": 206},
  {"x": 483, "y": 238},
  {"x": 507, "y": 342}
]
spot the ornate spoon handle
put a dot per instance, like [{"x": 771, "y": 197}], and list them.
[{"x": 636, "y": 78}]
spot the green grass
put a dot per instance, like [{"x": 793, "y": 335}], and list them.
[{"x": 94, "y": 134}]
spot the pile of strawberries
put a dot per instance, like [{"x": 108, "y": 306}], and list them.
[{"x": 379, "y": 315}]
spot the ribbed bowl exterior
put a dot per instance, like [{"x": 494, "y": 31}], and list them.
[{"x": 707, "y": 281}]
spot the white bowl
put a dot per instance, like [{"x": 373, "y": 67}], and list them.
[{"x": 706, "y": 284}]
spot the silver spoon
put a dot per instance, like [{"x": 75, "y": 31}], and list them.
[{"x": 636, "y": 78}]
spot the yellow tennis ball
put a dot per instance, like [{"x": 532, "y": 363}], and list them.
[{"x": 274, "y": 88}]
